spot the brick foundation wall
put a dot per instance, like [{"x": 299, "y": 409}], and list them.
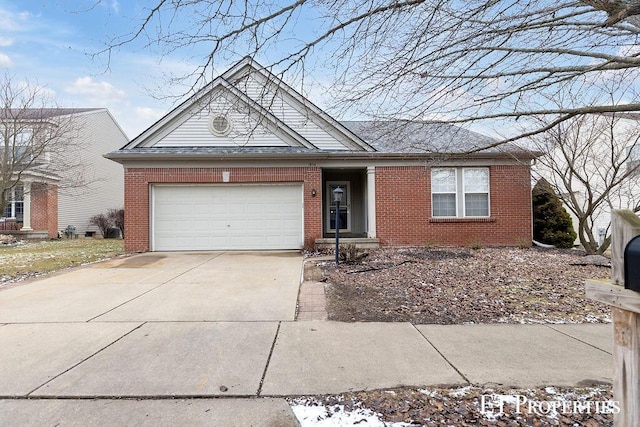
[
  {"x": 403, "y": 210},
  {"x": 138, "y": 180},
  {"x": 44, "y": 208}
]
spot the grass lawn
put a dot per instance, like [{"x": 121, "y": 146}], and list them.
[{"x": 38, "y": 257}]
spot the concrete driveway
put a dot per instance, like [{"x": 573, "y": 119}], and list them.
[
  {"x": 215, "y": 286},
  {"x": 155, "y": 325}
]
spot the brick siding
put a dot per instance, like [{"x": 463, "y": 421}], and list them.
[
  {"x": 138, "y": 180},
  {"x": 44, "y": 208},
  {"x": 403, "y": 210},
  {"x": 403, "y": 204}
]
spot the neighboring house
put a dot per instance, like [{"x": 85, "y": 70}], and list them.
[
  {"x": 74, "y": 183},
  {"x": 249, "y": 163}
]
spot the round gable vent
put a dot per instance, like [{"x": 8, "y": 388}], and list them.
[{"x": 220, "y": 125}]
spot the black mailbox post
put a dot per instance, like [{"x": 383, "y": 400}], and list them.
[{"x": 632, "y": 265}]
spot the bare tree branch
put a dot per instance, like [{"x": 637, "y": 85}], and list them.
[
  {"x": 472, "y": 61},
  {"x": 590, "y": 162},
  {"x": 36, "y": 138}
]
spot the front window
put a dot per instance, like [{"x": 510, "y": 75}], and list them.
[
  {"x": 14, "y": 207},
  {"x": 460, "y": 192},
  {"x": 476, "y": 192},
  {"x": 443, "y": 188}
]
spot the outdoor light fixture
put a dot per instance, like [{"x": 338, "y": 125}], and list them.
[
  {"x": 313, "y": 192},
  {"x": 337, "y": 196}
]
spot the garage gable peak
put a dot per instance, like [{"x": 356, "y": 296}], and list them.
[{"x": 248, "y": 106}]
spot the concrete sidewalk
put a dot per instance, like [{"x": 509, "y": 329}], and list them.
[
  {"x": 210, "y": 339},
  {"x": 254, "y": 363}
]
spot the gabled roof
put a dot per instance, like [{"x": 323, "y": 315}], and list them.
[
  {"x": 253, "y": 87},
  {"x": 225, "y": 82},
  {"x": 248, "y": 65}
]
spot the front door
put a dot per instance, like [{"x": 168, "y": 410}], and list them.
[{"x": 345, "y": 207}]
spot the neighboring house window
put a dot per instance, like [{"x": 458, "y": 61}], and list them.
[
  {"x": 23, "y": 150},
  {"x": 460, "y": 192},
  {"x": 20, "y": 145},
  {"x": 15, "y": 203}
]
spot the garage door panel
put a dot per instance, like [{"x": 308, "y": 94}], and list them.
[{"x": 227, "y": 217}]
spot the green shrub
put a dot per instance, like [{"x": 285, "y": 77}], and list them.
[{"x": 551, "y": 222}]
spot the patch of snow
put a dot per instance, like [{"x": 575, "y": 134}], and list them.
[
  {"x": 430, "y": 393},
  {"x": 461, "y": 391},
  {"x": 309, "y": 413},
  {"x": 543, "y": 245}
]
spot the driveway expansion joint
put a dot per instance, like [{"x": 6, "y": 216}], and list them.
[{"x": 84, "y": 359}]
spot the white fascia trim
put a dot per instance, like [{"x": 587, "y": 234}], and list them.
[
  {"x": 179, "y": 114},
  {"x": 142, "y": 139}
]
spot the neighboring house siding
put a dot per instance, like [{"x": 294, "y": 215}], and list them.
[
  {"x": 403, "y": 210},
  {"x": 44, "y": 207},
  {"x": 98, "y": 134},
  {"x": 138, "y": 180}
]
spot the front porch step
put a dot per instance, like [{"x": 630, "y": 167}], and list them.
[{"x": 360, "y": 242}]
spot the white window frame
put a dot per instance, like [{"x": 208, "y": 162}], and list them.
[
  {"x": 464, "y": 193},
  {"x": 460, "y": 194},
  {"x": 455, "y": 175},
  {"x": 13, "y": 201}
]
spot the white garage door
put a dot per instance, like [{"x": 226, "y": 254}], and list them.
[{"x": 222, "y": 217}]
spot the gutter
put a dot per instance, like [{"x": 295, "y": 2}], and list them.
[{"x": 125, "y": 156}]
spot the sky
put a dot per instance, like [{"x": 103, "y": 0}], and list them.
[
  {"x": 57, "y": 44},
  {"x": 53, "y": 44}
]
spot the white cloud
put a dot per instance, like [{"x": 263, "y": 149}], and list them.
[
  {"x": 11, "y": 21},
  {"x": 148, "y": 115},
  {"x": 5, "y": 41},
  {"x": 5, "y": 61},
  {"x": 102, "y": 92}
]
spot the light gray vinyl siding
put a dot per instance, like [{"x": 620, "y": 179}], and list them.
[
  {"x": 249, "y": 129},
  {"x": 303, "y": 122},
  {"x": 98, "y": 134},
  {"x": 246, "y": 130}
]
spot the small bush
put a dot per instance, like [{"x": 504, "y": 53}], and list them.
[
  {"x": 101, "y": 221},
  {"x": 351, "y": 253}
]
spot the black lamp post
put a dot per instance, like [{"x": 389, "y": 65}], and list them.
[{"x": 337, "y": 196}]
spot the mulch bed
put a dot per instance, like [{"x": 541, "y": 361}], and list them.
[{"x": 462, "y": 286}]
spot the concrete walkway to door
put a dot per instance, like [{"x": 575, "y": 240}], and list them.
[{"x": 210, "y": 339}]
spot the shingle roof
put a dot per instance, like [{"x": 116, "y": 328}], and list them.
[
  {"x": 390, "y": 139},
  {"x": 401, "y": 136},
  {"x": 40, "y": 113}
]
